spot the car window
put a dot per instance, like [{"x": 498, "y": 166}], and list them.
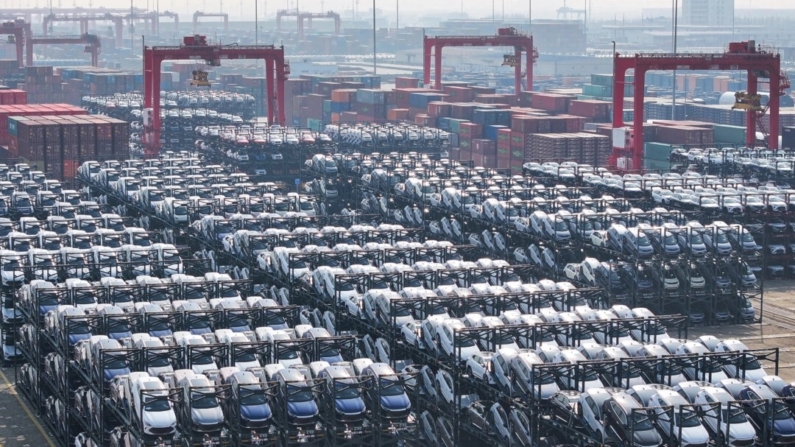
[
  {"x": 592, "y": 405},
  {"x": 622, "y": 418}
]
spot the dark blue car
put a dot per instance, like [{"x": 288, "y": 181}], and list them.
[
  {"x": 387, "y": 387},
  {"x": 775, "y": 417},
  {"x": 343, "y": 389},
  {"x": 301, "y": 406}
]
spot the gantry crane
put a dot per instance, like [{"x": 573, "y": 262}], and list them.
[
  {"x": 506, "y": 37},
  {"x": 196, "y": 47},
  {"x": 30, "y": 12},
  {"x": 747, "y": 56},
  {"x": 91, "y": 42},
  {"x": 118, "y": 22},
  {"x": 753, "y": 103},
  {"x": 198, "y": 14},
  {"x": 303, "y": 16},
  {"x": 152, "y": 18},
  {"x": 18, "y": 32}
]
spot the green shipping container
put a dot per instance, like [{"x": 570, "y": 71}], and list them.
[
  {"x": 656, "y": 165},
  {"x": 597, "y": 90},
  {"x": 729, "y": 134},
  {"x": 455, "y": 124},
  {"x": 657, "y": 151},
  {"x": 314, "y": 125}
]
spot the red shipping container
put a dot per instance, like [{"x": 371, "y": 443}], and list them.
[
  {"x": 524, "y": 123},
  {"x": 459, "y": 94},
  {"x": 598, "y": 111},
  {"x": 406, "y": 82},
  {"x": 551, "y": 102},
  {"x": 470, "y": 130},
  {"x": 518, "y": 139},
  {"x": 504, "y": 135},
  {"x": 480, "y": 90},
  {"x": 439, "y": 108}
]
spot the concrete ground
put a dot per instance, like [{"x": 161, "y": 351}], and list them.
[
  {"x": 777, "y": 329},
  {"x": 18, "y": 425},
  {"x": 20, "y": 428}
]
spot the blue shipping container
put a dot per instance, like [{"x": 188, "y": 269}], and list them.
[{"x": 490, "y": 132}]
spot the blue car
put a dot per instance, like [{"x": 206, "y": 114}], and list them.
[
  {"x": 343, "y": 389},
  {"x": 301, "y": 406},
  {"x": 389, "y": 391},
  {"x": 249, "y": 393},
  {"x": 775, "y": 417}
]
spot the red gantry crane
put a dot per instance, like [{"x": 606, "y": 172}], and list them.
[
  {"x": 198, "y": 14},
  {"x": 91, "y": 41},
  {"x": 506, "y": 37},
  {"x": 18, "y": 32},
  {"x": 740, "y": 56},
  {"x": 118, "y": 22},
  {"x": 303, "y": 16},
  {"x": 196, "y": 48}
]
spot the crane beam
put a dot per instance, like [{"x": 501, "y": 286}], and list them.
[
  {"x": 506, "y": 37},
  {"x": 740, "y": 56},
  {"x": 197, "y": 48}
]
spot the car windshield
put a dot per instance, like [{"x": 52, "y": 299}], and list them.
[
  {"x": 113, "y": 362},
  {"x": 747, "y": 237},
  {"x": 670, "y": 240},
  {"x": 299, "y": 393},
  {"x": 203, "y": 400},
  {"x": 390, "y": 387},
  {"x": 737, "y": 416},
  {"x": 401, "y": 311},
  {"x": 696, "y": 238},
  {"x": 157, "y": 361},
  {"x": 560, "y": 225},
  {"x": 643, "y": 241},
  {"x": 155, "y": 404},
  {"x": 252, "y": 396},
  {"x": 721, "y": 238},
  {"x": 412, "y": 282},
  {"x": 641, "y": 421},
  {"x": 781, "y": 411},
  {"x": 686, "y": 418},
  {"x": 11, "y": 265},
  {"x": 345, "y": 390},
  {"x": 288, "y": 354}
]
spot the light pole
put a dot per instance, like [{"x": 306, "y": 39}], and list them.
[
  {"x": 614, "y": 67},
  {"x": 397, "y": 15},
  {"x": 530, "y": 17},
  {"x": 675, "y": 30},
  {"x": 375, "y": 70},
  {"x": 256, "y": 25}
]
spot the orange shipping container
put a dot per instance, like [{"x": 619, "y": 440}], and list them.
[{"x": 397, "y": 114}]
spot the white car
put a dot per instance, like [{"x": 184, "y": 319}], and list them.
[
  {"x": 412, "y": 333},
  {"x": 479, "y": 366}
]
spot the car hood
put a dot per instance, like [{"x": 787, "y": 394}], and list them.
[
  {"x": 694, "y": 435},
  {"x": 741, "y": 431},
  {"x": 260, "y": 412},
  {"x": 207, "y": 416},
  {"x": 647, "y": 438},
  {"x": 350, "y": 406},
  {"x": 396, "y": 403},
  {"x": 784, "y": 426},
  {"x": 159, "y": 419},
  {"x": 302, "y": 409}
]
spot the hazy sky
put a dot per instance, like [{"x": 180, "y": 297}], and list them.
[{"x": 475, "y": 8}]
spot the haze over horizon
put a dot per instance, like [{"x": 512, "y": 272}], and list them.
[{"x": 474, "y": 9}]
